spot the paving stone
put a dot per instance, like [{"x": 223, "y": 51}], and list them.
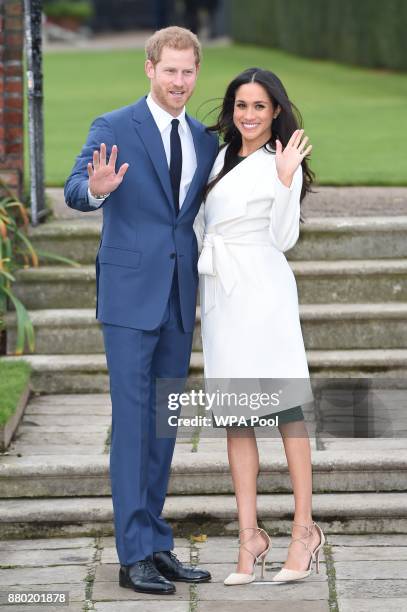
[
  {"x": 23, "y": 467},
  {"x": 75, "y": 399},
  {"x": 369, "y": 553},
  {"x": 183, "y": 447},
  {"x": 43, "y": 575},
  {"x": 68, "y": 409},
  {"x": 93, "y": 439},
  {"x": 67, "y": 419},
  {"x": 46, "y": 544},
  {"x": 26, "y": 427},
  {"x": 264, "y": 606},
  {"x": 215, "y": 554},
  {"x": 365, "y": 589},
  {"x": 37, "y": 558},
  {"x": 39, "y": 438},
  {"x": 142, "y": 606},
  {"x": 372, "y": 605},
  {"x": 28, "y": 450},
  {"x": 373, "y": 539},
  {"x": 307, "y": 590},
  {"x": 216, "y": 543},
  {"x": 371, "y": 570},
  {"x": 111, "y": 591}
]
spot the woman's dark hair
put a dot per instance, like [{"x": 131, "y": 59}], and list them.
[{"x": 288, "y": 120}]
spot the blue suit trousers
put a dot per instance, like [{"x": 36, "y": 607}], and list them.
[{"x": 139, "y": 461}]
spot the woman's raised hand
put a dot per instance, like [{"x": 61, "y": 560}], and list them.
[
  {"x": 288, "y": 160},
  {"x": 103, "y": 178}
]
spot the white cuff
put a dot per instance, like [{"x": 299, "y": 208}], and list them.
[{"x": 96, "y": 202}]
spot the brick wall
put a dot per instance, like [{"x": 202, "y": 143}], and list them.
[{"x": 11, "y": 92}]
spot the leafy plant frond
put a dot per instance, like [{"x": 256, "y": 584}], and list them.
[
  {"x": 6, "y": 275},
  {"x": 29, "y": 249},
  {"x": 25, "y": 329},
  {"x": 54, "y": 257},
  {"x": 16, "y": 250}
]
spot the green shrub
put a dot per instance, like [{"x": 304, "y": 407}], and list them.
[
  {"x": 363, "y": 32},
  {"x": 80, "y": 10}
]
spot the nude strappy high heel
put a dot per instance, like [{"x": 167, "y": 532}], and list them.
[
  {"x": 238, "y": 578},
  {"x": 287, "y": 575}
]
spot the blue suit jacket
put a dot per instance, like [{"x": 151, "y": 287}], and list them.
[{"x": 142, "y": 238}]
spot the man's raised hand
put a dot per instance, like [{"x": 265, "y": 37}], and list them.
[{"x": 103, "y": 178}]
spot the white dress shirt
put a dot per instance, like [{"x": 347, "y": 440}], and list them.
[{"x": 163, "y": 122}]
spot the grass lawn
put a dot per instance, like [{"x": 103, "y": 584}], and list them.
[
  {"x": 13, "y": 379},
  {"x": 356, "y": 118}
]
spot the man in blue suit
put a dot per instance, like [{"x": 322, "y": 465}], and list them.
[{"x": 146, "y": 288}]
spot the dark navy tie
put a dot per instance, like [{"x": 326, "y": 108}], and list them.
[{"x": 175, "y": 163}]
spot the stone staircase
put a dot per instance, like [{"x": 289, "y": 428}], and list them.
[
  {"x": 54, "y": 480},
  {"x": 352, "y": 280}
]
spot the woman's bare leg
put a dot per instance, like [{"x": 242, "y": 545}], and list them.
[
  {"x": 244, "y": 466},
  {"x": 298, "y": 452}
]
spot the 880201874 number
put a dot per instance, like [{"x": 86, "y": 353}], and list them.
[{"x": 59, "y": 598}]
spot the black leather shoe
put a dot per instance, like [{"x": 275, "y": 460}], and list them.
[
  {"x": 144, "y": 577},
  {"x": 169, "y": 566}
]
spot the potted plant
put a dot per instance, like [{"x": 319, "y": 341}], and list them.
[{"x": 69, "y": 14}]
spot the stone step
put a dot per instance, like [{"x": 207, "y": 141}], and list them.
[
  {"x": 341, "y": 281},
  {"x": 88, "y": 373},
  {"x": 57, "y": 287},
  {"x": 334, "y": 238},
  {"x": 206, "y": 472},
  {"x": 343, "y": 513},
  {"x": 76, "y": 239},
  {"x": 320, "y": 238},
  {"x": 325, "y": 326},
  {"x": 352, "y": 281}
]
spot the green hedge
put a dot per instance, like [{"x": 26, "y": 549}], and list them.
[
  {"x": 363, "y": 32},
  {"x": 80, "y": 10}
]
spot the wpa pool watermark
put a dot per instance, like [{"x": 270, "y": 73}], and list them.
[{"x": 212, "y": 404}]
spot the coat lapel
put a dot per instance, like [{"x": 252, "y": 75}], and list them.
[
  {"x": 198, "y": 136},
  {"x": 151, "y": 137},
  {"x": 228, "y": 198}
]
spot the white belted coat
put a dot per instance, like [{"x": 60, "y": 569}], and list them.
[{"x": 249, "y": 304}]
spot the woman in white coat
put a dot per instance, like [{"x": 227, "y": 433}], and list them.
[{"x": 249, "y": 305}]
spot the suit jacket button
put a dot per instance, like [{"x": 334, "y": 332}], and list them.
[{"x": 173, "y": 255}]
